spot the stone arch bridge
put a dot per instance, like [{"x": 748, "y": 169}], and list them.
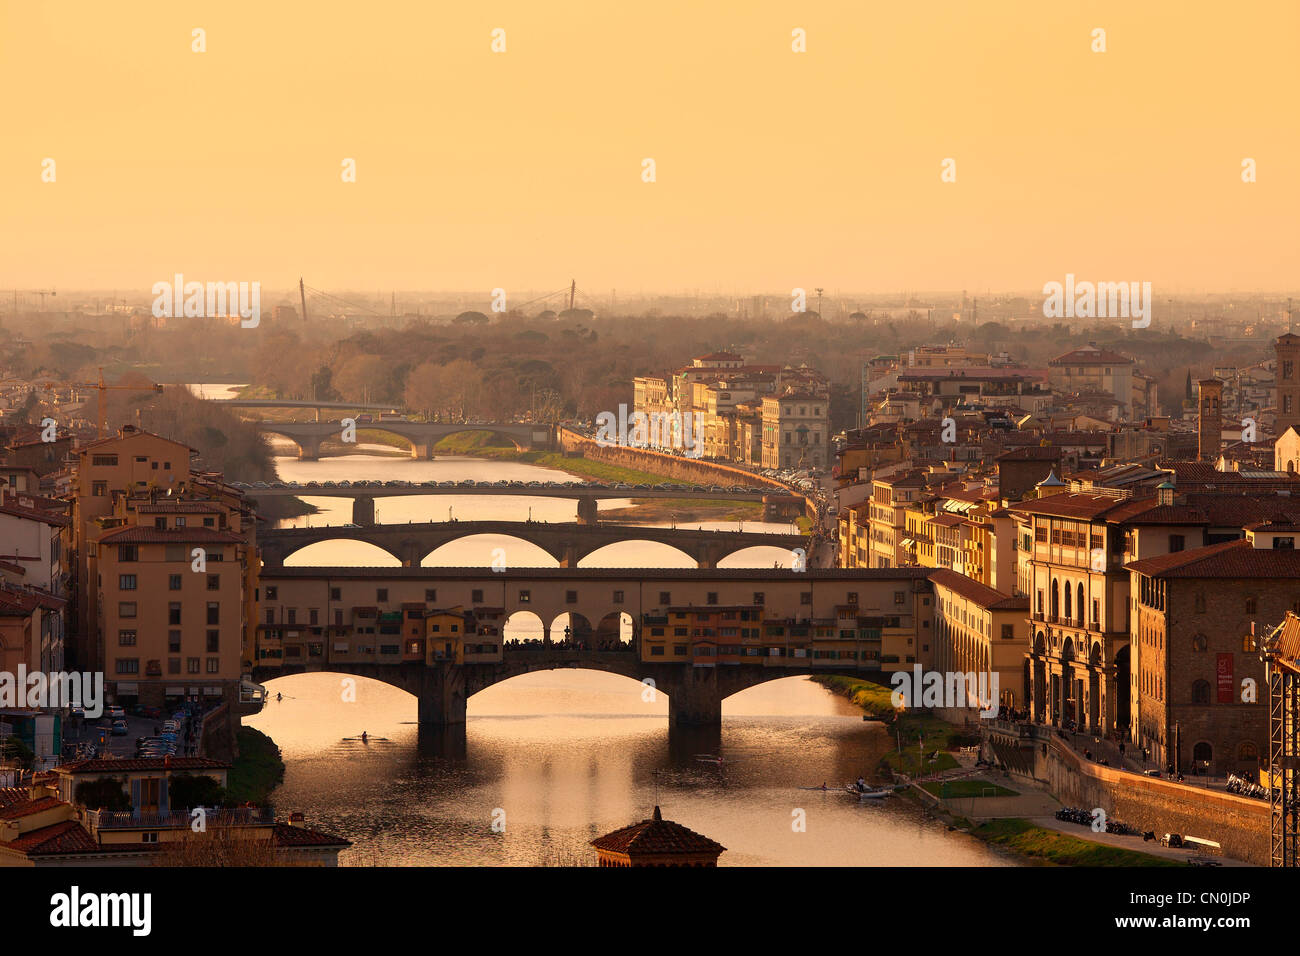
[
  {"x": 309, "y": 436},
  {"x": 568, "y": 542},
  {"x": 695, "y": 694}
]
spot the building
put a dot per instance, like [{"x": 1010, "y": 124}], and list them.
[
  {"x": 1209, "y": 419},
  {"x": 1287, "y": 351},
  {"x": 656, "y": 842},
  {"x": 1198, "y": 686},
  {"x": 980, "y": 631},
  {"x": 796, "y": 431},
  {"x": 1091, "y": 370}
]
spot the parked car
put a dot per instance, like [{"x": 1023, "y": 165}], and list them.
[{"x": 120, "y": 728}]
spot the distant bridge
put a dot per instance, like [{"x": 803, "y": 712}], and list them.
[
  {"x": 364, "y": 493},
  {"x": 568, "y": 543},
  {"x": 309, "y": 436}
]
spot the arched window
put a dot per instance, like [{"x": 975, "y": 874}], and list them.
[
  {"x": 1248, "y": 643},
  {"x": 1056, "y": 599},
  {"x": 1068, "y": 615},
  {"x": 1199, "y": 643},
  {"x": 1203, "y": 753},
  {"x": 1201, "y": 692},
  {"x": 1247, "y": 750},
  {"x": 1078, "y": 605}
]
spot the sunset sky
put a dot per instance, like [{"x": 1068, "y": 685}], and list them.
[{"x": 775, "y": 169}]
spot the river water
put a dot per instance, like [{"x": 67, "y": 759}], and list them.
[{"x": 561, "y": 757}]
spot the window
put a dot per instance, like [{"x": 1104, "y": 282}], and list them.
[
  {"x": 657, "y": 650},
  {"x": 126, "y": 582},
  {"x": 174, "y": 641},
  {"x": 570, "y": 597},
  {"x": 760, "y": 597},
  {"x": 293, "y": 616},
  {"x": 711, "y": 597},
  {"x": 381, "y": 594},
  {"x": 192, "y": 664},
  {"x": 103, "y": 461},
  {"x": 1201, "y": 692},
  {"x": 665, "y": 598},
  {"x": 431, "y": 595},
  {"x": 214, "y": 642},
  {"x": 336, "y": 594},
  {"x": 852, "y": 597},
  {"x": 525, "y": 597},
  {"x": 180, "y": 521},
  {"x": 1176, "y": 542},
  {"x": 173, "y": 582},
  {"x": 99, "y": 489},
  {"x": 271, "y": 590},
  {"x": 128, "y": 552},
  {"x": 173, "y": 665},
  {"x": 900, "y": 597},
  {"x": 476, "y": 596},
  {"x": 805, "y": 597},
  {"x": 313, "y": 617},
  {"x": 126, "y": 638},
  {"x": 1250, "y": 605},
  {"x": 126, "y": 609},
  {"x": 128, "y": 665},
  {"x": 174, "y": 612},
  {"x": 1008, "y": 632},
  {"x": 214, "y": 665},
  {"x": 1284, "y": 544},
  {"x": 618, "y": 597},
  {"x": 1198, "y": 602},
  {"x": 214, "y": 582},
  {"x": 1248, "y": 643}
]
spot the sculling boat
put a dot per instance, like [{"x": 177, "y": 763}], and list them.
[{"x": 871, "y": 793}]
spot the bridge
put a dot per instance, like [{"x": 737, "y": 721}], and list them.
[
  {"x": 301, "y": 403},
  {"x": 363, "y": 493},
  {"x": 567, "y": 542},
  {"x": 309, "y": 436},
  {"x": 700, "y": 636}
]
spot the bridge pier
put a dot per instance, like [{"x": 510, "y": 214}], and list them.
[
  {"x": 695, "y": 700},
  {"x": 363, "y": 511},
  {"x": 587, "y": 511},
  {"x": 422, "y": 450},
  {"x": 308, "y": 449},
  {"x": 442, "y": 696}
]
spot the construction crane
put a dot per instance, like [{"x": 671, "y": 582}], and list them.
[
  {"x": 103, "y": 396},
  {"x": 41, "y": 292}
]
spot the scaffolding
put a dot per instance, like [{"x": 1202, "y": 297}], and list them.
[{"x": 1282, "y": 674}]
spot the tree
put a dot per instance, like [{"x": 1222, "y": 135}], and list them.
[
  {"x": 108, "y": 793},
  {"x": 186, "y": 791}
]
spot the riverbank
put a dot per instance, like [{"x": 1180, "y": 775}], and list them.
[
  {"x": 257, "y": 771},
  {"x": 922, "y": 740}
]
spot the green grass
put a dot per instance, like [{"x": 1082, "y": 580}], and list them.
[
  {"x": 922, "y": 733},
  {"x": 474, "y": 443},
  {"x": 257, "y": 770},
  {"x": 485, "y": 445},
  {"x": 1049, "y": 846},
  {"x": 966, "y": 788}
]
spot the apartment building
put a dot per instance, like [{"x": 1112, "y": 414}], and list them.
[
  {"x": 796, "y": 430},
  {"x": 981, "y": 631},
  {"x": 1091, "y": 370}
]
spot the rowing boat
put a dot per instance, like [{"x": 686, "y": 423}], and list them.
[{"x": 871, "y": 793}]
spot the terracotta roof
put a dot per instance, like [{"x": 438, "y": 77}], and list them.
[
  {"x": 138, "y": 534},
  {"x": 981, "y": 594},
  {"x": 110, "y": 765},
  {"x": 1230, "y": 559},
  {"x": 10, "y": 795},
  {"x": 28, "y": 807},
  {"x": 1068, "y": 505},
  {"x": 29, "y": 507},
  {"x": 66, "y": 837},
  {"x": 655, "y": 837},
  {"x": 285, "y": 834},
  {"x": 1090, "y": 355}
]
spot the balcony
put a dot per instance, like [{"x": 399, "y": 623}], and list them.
[{"x": 213, "y": 817}]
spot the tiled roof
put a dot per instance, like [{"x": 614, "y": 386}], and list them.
[
  {"x": 285, "y": 834},
  {"x": 28, "y": 807},
  {"x": 1231, "y": 559},
  {"x": 1091, "y": 356},
  {"x": 139, "y": 534},
  {"x": 10, "y": 795},
  {"x": 657, "y": 836},
  {"x": 110, "y": 765},
  {"x": 981, "y": 594},
  {"x": 1068, "y": 505},
  {"x": 66, "y": 837}
]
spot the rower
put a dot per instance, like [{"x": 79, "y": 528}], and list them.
[
  {"x": 363, "y": 736},
  {"x": 862, "y": 784}
]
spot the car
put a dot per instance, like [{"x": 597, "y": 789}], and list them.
[
  {"x": 79, "y": 713},
  {"x": 468, "y": 482},
  {"x": 120, "y": 728},
  {"x": 345, "y": 484},
  {"x": 115, "y": 712},
  {"x": 312, "y": 484}
]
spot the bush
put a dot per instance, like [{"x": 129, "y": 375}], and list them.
[{"x": 105, "y": 794}]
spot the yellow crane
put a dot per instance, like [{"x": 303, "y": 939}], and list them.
[{"x": 103, "y": 396}]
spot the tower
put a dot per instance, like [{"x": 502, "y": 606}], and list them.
[
  {"x": 1209, "y": 418},
  {"x": 1287, "y": 349}
]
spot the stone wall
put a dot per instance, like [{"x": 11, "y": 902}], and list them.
[
  {"x": 1240, "y": 824},
  {"x": 676, "y": 467},
  {"x": 218, "y": 741}
]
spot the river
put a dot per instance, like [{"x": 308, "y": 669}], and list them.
[{"x": 564, "y": 756}]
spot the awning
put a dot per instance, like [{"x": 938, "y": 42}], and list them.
[{"x": 909, "y": 543}]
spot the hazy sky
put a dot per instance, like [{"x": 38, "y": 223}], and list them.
[{"x": 774, "y": 169}]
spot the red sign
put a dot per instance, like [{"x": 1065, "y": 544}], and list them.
[{"x": 1225, "y": 679}]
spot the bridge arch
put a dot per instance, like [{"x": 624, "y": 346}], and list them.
[
  {"x": 299, "y": 556},
  {"x": 481, "y": 550},
  {"x": 606, "y": 555},
  {"x": 757, "y": 555},
  {"x": 269, "y": 430}
]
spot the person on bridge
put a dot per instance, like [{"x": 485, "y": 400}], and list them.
[{"x": 363, "y": 736}]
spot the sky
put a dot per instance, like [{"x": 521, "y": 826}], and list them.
[{"x": 773, "y": 169}]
